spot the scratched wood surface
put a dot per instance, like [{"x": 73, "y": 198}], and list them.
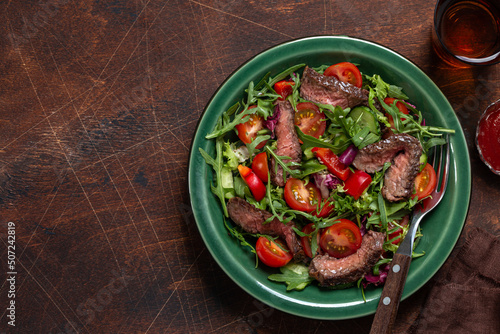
[{"x": 99, "y": 101}]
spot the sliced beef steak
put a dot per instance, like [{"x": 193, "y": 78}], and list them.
[
  {"x": 287, "y": 142},
  {"x": 324, "y": 89},
  {"x": 330, "y": 271},
  {"x": 252, "y": 220},
  {"x": 404, "y": 152}
]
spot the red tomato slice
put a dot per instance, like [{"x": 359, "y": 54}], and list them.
[
  {"x": 401, "y": 107},
  {"x": 260, "y": 167},
  {"x": 332, "y": 162},
  {"x": 310, "y": 120},
  {"x": 306, "y": 241},
  {"x": 357, "y": 183},
  {"x": 399, "y": 231},
  {"x": 425, "y": 182},
  {"x": 326, "y": 209},
  {"x": 284, "y": 88},
  {"x": 255, "y": 184},
  {"x": 301, "y": 197},
  {"x": 341, "y": 239},
  {"x": 248, "y": 131},
  {"x": 271, "y": 254},
  {"x": 345, "y": 72}
]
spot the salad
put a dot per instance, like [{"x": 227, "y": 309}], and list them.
[{"x": 318, "y": 171}]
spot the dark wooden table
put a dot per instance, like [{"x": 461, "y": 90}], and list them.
[{"x": 99, "y": 101}]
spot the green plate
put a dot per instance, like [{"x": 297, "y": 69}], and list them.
[{"x": 442, "y": 227}]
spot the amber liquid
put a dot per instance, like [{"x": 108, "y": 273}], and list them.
[{"x": 470, "y": 30}]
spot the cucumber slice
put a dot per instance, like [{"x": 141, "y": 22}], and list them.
[{"x": 364, "y": 117}]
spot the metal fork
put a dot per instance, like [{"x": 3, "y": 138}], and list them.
[{"x": 393, "y": 289}]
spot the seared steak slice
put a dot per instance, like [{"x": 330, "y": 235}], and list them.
[
  {"x": 287, "y": 142},
  {"x": 324, "y": 89},
  {"x": 252, "y": 220},
  {"x": 404, "y": 152},
  {"x": 330, "y": 271}
]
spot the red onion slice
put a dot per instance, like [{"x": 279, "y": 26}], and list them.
[{"x": 347, "y": 157}]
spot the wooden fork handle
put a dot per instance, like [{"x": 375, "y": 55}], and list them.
[{"x": 391, "y": 295}]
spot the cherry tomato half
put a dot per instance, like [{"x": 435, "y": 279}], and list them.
[
  {"x": 341, "y": 239},
  {"x": 326, "y": 207},
  {"x": 310, "y": 120},
  {"x": 272, "y": 254},
  {"x": 332, "y": 162},
  {"x": 345, "y": 72},
  {"x": 248, "y": 131},
  {"x": 397, "y": 234},
  {"x": 402, "y": 108},
  {"x": 284, "y": 88},
  {"x": 306, "y": 241},
  {"x": 260, "y": 166},
  {"x": 300, "y": 196},
  {"x": 425, "y": 182},
  {"x": 255, "y": 184},
  {"x": 357, "y": 183}
]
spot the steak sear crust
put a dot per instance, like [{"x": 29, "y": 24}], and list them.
[
  {"x": 252, "y": 220},
  {"x": 287, "y": 142},
  {"x": 324, "y": 89},
  {"x": 403, "y": 152},
  {"x": 330, "y": 271}
]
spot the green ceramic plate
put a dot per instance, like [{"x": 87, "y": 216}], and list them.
[{"x": 442, "y": 227}]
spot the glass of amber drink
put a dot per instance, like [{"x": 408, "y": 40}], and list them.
[{"x": 467, "y": 32}]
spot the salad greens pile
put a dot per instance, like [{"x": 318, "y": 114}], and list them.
[{"x": 345, "y": 127}]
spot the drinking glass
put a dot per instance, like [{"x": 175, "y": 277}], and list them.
[{"x": 467, "y": 32}]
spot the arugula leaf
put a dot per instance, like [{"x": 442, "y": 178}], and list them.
[
  {"x": 310, "y": 141},
  {"x": 226, "y": 125},
  {"x": 393, "y": 110},
  {"x": 320, "y": 69},
  {"x": 294, "y": 275},
  {"x": 435, "y": 141},
  {"x": 217, "y": 164},
  {"x": 239, "y": 236},
  {"x": 364, "y": 138},
  {"x": 384, "y": 89},
  {"x": 285, "y": 74},
  {"x": 312, "y": 166},
  {"x": 286, "y": 166},
  {"x": 256, "y": 95},
  {"x": 383, "y": 212},
  {"x": 381, "y": 118},
  {"x": 252, "y": 147},
  {"x": 376, "y": 267}
]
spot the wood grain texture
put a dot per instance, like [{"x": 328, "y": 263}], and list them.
[
  {"x": 387, "y": 309},
  {"x": 99, "y": 101}
]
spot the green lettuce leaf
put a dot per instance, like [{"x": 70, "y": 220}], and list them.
[{"x": 294, "y": 275}]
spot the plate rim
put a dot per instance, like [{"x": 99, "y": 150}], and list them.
[{"x": 194, "y": 151}]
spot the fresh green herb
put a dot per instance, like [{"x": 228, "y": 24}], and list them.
[
  {"x": 252, "y": 147},
  {"x": 240, "y": 237},
  {"x": 232, "y": 158},
  {"x": 310, "y": 141},
  {"x": 376, "y": 267},
  {"x": 360, "y": 126},
  {"x": 384, "y": 89},
  {"x": 217, "y": 165},
  {"x": 294, "y": 275},
  {"x": 361, "y": 287},
  {"x": 383, "y": 213},
  {"x": 286, "y": 166},
  {"x": 261, "y": 102}
]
